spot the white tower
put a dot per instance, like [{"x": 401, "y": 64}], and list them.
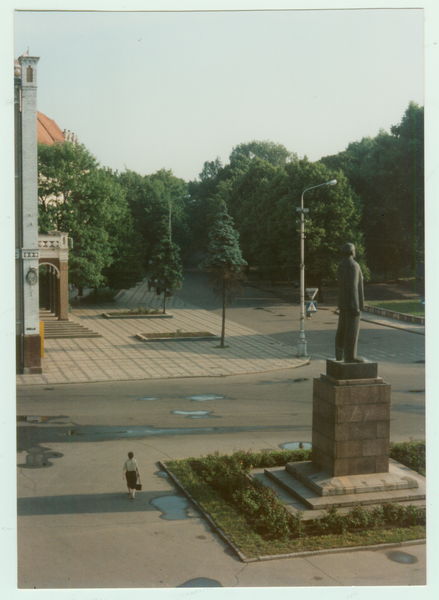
[{"x": 27, "y": 253}]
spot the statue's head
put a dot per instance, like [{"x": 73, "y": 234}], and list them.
[{"x": 348, "y": 250}]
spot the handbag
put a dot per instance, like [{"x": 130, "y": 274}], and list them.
[{"x": 138, "y": 485}]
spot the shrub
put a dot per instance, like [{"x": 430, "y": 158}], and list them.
[
  {"x": 331, "y": 522},
  {"x": 404, "y": 516},
  {"x": 229, "y": 475},
  {"x": 359, "y": 517},
  {"x": 411, "y": 454}
]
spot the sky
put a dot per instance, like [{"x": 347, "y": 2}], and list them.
[{"x": 152, "y": 90}]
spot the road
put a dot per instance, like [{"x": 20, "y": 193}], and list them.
[{"x": 273, "y": 401}]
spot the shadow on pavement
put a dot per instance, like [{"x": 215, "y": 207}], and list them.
[{"x": 85, "y": 503}]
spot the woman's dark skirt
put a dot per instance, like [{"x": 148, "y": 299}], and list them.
[{"x": 131, "y": 479}]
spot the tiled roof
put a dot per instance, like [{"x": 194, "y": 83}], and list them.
[{"x": 48, "y": 131}]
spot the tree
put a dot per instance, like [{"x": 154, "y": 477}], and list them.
[
  {"x": 387, "y": 173},
  {"x": 166, "y": 265},
  {"x": 127, "y": 252},
  {"x": 84, "y": 200},
  {"x": 148, "y": 197},
  {"x": 224, "y": 260},
  {"x": 276, "y": 154}
]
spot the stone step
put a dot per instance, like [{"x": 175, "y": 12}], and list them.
[
  {"x": 315, "y": 501},
  {"x": 67, "y": 329}
]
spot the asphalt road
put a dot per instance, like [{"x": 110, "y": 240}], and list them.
[{"x": 278, "y": 402}]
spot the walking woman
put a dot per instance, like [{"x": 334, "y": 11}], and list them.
[{"x": 131, "y": 470}]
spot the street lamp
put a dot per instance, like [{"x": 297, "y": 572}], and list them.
[
  {"x": 170, "y": 205},
  {"x": 301, "y": 348}
]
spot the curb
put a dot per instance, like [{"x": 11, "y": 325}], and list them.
[
  {"x": 339, "y": 550},
  {"x": 242, "y": 557},
  {"x": 199, "y": 338},
  {"x": 391, "y": 314},
  {"x": 209, "y": 375},
  {"x": 400, "y": 327}
]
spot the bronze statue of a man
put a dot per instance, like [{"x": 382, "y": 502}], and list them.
[{"x": 350, "y": 303}]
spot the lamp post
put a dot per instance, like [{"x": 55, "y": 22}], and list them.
[
  {"x": 170, "y": 216},
  {"x": 301, "y": 347}
]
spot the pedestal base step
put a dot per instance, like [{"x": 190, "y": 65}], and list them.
[
  {"x": 398, "y": 478},
  {"x": 315, "y": 501}
]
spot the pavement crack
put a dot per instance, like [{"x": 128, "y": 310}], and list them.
[
  {"x": 27, "y": 477},
  {"x": 156, "y": 449},
  {"x": 239, "y": 573}
]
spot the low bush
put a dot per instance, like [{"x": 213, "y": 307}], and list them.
[
  {"x": 99, "y": 295},
  {"x": 229, "y": 476},
  {"x": 411, "y": 454}
]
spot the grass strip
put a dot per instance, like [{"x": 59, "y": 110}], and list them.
[{"x": 407, "y": 307}]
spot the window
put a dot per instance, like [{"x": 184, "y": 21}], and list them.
[{"x": 29, "y": 74}]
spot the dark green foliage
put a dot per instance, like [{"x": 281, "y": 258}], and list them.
[
  {"x": 78, "y": 197},
  {"x": 148, "y": 197},
  {"x": 166, "y": 265},
  {"x": 224, "y": 260},
  {"x": 411, "y": 454},
  {"x": 99, "y": 295},
  {"x": 331, "y": 522},
  {"x": 262, "y": 193},
  {"x": 274, "y": 154},
  {"x": 404, "y": 516},
  {"x": 263, "y": 507},
  {"x": 229, "y": 475},
  {"x": 387, "y": 173}
]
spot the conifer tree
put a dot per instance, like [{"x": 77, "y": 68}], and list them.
[
  {"x": 166, "y": 265},
  {"x": 224, "y": 260}
]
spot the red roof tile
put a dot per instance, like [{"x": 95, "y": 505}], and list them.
[{"x": 48, "y": 131}]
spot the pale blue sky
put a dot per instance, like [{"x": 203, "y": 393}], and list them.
[{"x": 174, "y": 89}]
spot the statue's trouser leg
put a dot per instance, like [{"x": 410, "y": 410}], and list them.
[
  {"x": 351, "y": 337},
  {"x": 340, "y": 335}
]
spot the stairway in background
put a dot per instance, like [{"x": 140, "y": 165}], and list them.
[{"x": 54, "y": 329}]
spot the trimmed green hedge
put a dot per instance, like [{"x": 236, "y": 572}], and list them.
[{"x": 266, "y": 513}]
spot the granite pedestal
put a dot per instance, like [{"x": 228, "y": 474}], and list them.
[
  {"x": 351, "y": 420},
  {"x": 350, "y": 443}
]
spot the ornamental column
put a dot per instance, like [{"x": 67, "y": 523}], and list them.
[{"x": 27, "y": 250}]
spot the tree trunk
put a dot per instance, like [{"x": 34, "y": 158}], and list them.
[
  {"x": 320, "y": 297},
  {"x": 164, "y": 301},
  {"x": 223, "y": 327}
]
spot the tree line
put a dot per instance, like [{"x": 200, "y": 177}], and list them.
[{"x": 119, "y": 221}]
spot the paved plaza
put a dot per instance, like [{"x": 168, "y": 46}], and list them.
[{"x": 118, "y": 355}]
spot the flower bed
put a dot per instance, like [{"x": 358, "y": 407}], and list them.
[
  {"x": 176, "y": 335},
  {"x": 258, "y": 521},
  {"x": 138, "y": 313}
]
